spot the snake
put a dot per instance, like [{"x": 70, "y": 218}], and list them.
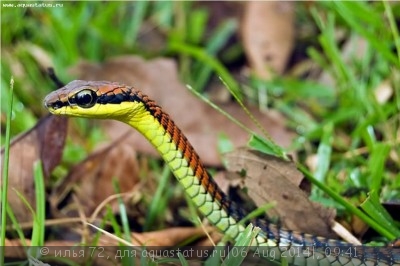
[{"x": 112, "y": 100}]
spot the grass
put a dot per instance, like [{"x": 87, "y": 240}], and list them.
[
  {"x": 4, "y": 176},
  {"x": 353, "y": 135}
]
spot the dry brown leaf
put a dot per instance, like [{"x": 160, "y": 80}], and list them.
[
  {"x": 270, "y": 179},
  {"x": 200, "y": 123},
  {"x": 15, "y": 249},
  {"x": 43, "y": 142},
  {"x": 91, "y": 180},
  {"x": 268, "y": 33}
]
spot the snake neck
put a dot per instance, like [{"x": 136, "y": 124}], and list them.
[
  {"x": 160, "y": 130},
  {"x": 172, "y": 144}
]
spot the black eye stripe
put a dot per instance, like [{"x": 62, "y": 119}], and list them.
[
  {"x": 58, "y": 104},
  {"x": 82, "y": 98},
  {"x": 114, "y": 98},
  {"x": 72, "y": 100}
]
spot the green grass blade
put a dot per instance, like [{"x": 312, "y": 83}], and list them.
[
  {"x": 324, "y": 155},
  {"x": 351, "y": 13},
  {"x": 135, "y": 22},
  {"x": 182, "y": 259},
  {"x": 110, "y": 218},
  {"x": 393, "y": 27},
  {"x": 266, "y": 146},
  {"x": 352, "y": 209},
  {"x": 16, "y": 225},
  {"x": 217, "y": 41},
  {"x": 197, "y": 22},
  {"x": 376, "y": 165},
  {"x": 216, "y": 258},
  {"x": 37, "y": 231},
  {"x": 163, "y": 13},
  {"x": 40, "y": 195},
  {"x": 158, "y": 201},
  {"x": 256, "y": 142},
  {"x": 124, "y": 217},
  {"x": 374, "y": 208},
  {"x": 202, "y": 55},
  {"x": 122, "y": 210},
  {"x": 239, "y": 252},
  {"x": 4, "y": 187},
  {"x": 262, "y": 210}
]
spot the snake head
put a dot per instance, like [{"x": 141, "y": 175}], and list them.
[{"x": 93, "y": 99}]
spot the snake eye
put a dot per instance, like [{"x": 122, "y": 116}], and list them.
[{"x": 86, "y": 98}]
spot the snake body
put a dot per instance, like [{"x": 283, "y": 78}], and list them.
[{"x": 108, "y": 100}]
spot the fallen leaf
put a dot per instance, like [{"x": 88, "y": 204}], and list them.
[
  {"x": 268, "y": 34},
  {"x": 200, "y": 123},
  {"x": 270, "y": 179},
  {"x": 91, "y": 180},
  {"x": 43, "y": 142}
]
